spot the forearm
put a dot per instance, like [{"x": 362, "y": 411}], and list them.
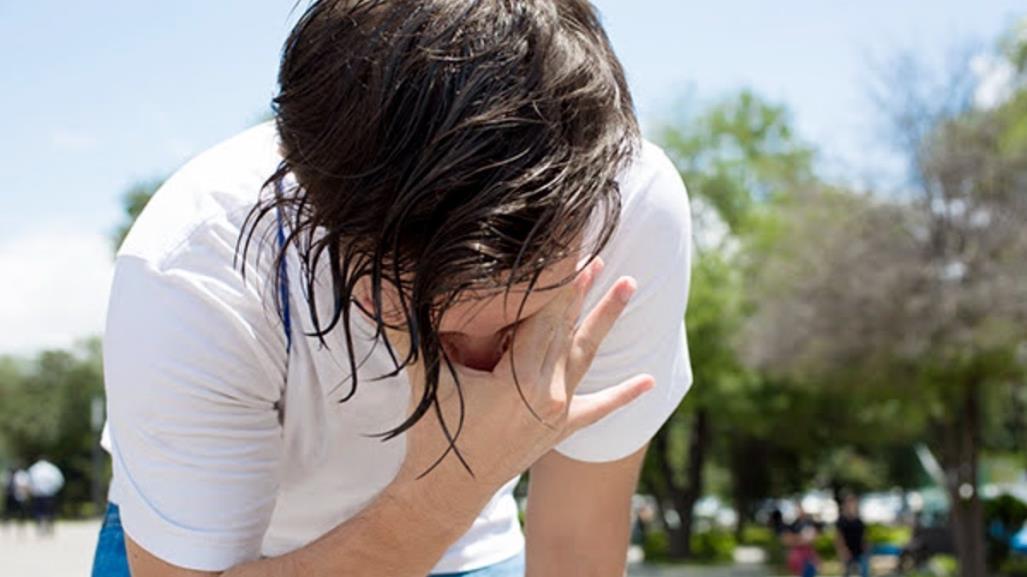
[
  {"x": 583, "y": 555},
  {"x": 579, "y": 516},
  {"x": 402, "y": 533}
]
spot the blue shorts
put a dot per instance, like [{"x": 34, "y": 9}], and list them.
[{"x": 110, "y": 559}]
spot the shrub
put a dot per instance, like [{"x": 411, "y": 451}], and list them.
[
  {"x": 1003, "y": 517},
  {"x": 715, "y": 545},
  {"x": 823, "y": 544},
  {"x": 758, "y": 535},
  {"x": 944, "y": 565},
  {"x": 878, "y": 534},
  {"x": 656, "y": 546},
  {"x": 1015, "y": 566}
]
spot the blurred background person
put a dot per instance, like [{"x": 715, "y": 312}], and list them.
[
  {"x": 851, "y": 539},
  {"x": 798, "y": 538},
  {"x": 45, "y": 482},
  {"x": 15, "y": 482}
]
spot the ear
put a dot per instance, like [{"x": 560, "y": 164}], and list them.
[{"x": 391, "y": 312}]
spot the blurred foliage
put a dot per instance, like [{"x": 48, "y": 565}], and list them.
[
  {"x": 1014, "y": 567},
  {"x": 735, "y": 156},
  {"x": 757, "y": 535},
  {"x": 713, "y": 546},
  {"x": 878, "y": 534},
  {"x": 1003, "y": 517},
  {"x": 914, "y": 303},
  {"x": 708, "y": 546},
  {"x": 45, "y": 408},
  {"x": 944, "y": 566},
  {"x": 738, "y": 153},
  {"x": 832, "y": 329},
  {"x": 773, "y": 433},
  {"x": 823, "y": 544},
  {"x": 656, "y": 546}
]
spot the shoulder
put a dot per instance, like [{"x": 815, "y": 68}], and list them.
[
  {"x": 210, "y": 195},
  {"x": 653, "y": 235},
  {"x": 181, "y": 316},
  {"x": 652, "y": 182},
  {"x": 655, "y": 218}
]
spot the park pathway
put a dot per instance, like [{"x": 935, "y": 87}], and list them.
[{"x": 69, "y": 554}]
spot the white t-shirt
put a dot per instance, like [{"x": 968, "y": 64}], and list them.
[{"x": 226, "y": 447}]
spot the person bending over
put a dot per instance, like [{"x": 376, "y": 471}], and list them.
[{"x": 336, "y": 340}]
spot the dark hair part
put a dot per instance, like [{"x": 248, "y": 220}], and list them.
[{"x": 442, "y": 146}]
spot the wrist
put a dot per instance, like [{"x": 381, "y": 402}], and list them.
[{"x": 441, "y": 501}]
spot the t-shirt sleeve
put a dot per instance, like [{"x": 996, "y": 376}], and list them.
[
  {"x": 193, "y": 372},
  {"x": 652, "y": 244}
]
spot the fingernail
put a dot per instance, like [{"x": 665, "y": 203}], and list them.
[
  {"x": 626, "y": 291},
  {"x": 582, "y": 279}
]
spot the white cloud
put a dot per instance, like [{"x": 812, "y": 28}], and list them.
[
  {"x": 995, "y": 78},
  {"x": 54, "y": 290},
  {"x": 65, "y": 139}
]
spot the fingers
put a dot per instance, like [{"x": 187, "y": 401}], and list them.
[
  {"x": 566, "y": 316},
  {"x": 534, "y": 337},
  {"x": 530, "y": 341},
  {"x": 595, "y": 327},
  {"x": 580, "y": 287},
  {"x": 587, "y": 409}
]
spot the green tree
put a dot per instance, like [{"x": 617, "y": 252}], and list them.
[
  {"x": 735, "y": 157},
  {"x": 920, "y": 299},
  {"x": 46, "y": 408}
]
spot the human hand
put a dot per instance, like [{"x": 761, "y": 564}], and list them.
[{"x": 505, "y": 430}]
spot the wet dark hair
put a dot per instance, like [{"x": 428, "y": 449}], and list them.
[{"x": 442, "y": 146}]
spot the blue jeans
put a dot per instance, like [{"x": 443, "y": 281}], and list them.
[
  {"x": 859, "y": 565},
  {"x": 110, "y": 559},
  {"x": 809, "y": 569},
  {"x": 512, "y": 567}
]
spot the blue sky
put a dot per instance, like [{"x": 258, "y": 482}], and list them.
[{"x": 98, "y": 95}]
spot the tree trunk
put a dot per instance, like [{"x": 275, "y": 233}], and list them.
[
  {"x": 743, "y": 506},
  {"x": 668, "y": 489},
  {"x": 677, "y": 547},
  {"x": 684, "y": 501},
  {"x": 1018, "y": 421},
  {"x": 750, "y": 480},
  {"x": 661, "y": 485},
  {"x": 961, "y": 454}
]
